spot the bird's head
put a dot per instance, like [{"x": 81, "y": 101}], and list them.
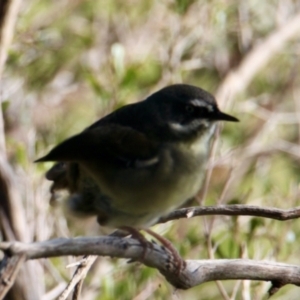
[{"x": 182, "y": 111}]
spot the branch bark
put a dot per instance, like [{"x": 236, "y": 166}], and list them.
[
  {"x": 9, "y": 268},
  {"x": 195, "y": 272},
  {"x": 76, "y": 282},
  {"x": 234, "y": 210},
  {"x": 12, "y": 220}
]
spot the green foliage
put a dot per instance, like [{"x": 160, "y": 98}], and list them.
[{"x": 72, "y": 62}]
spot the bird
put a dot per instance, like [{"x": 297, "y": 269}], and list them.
[{"x": 141, "y": 161}]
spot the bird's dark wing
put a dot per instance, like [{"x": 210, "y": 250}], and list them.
[{"x": 111, "y": 144}]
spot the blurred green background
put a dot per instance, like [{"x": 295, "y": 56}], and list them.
[{"x": 72, "y": 62}]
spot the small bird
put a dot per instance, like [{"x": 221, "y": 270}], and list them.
[{"x": 140, "y": 162}]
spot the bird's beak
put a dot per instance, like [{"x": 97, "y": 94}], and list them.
[{"x": 220, "y": 116}]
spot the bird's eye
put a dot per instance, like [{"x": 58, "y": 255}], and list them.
[{"x": 189, "y": 108}]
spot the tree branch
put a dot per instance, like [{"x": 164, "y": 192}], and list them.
[
  {"x": 9, "y": 268},
  {"x": 76, "y": 282},
  {"x": 233, "y": 210},
  {"x": 238, "y": 79},
  {"x": 196, "y": 271}
]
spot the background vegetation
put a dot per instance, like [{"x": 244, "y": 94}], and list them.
[{"x": 72, "y": 62}]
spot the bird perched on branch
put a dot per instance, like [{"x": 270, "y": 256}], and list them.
[{"x": 141, "y": 161}]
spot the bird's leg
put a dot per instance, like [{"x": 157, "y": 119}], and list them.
[
  {"x": 135, "y": 233},
  {"x": 179, "y": 262},
  {"x": 176, "y": 258}
]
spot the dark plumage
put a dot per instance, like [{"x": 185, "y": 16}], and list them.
[{"x": 141, "y": 161}]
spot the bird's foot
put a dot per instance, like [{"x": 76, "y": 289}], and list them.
[
  {"x": 135, "y": 233},
  {"x": 176, "y": 261}
]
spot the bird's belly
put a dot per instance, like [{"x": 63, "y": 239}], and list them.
[
  {"x": 146, "y": 194},
  {"x": 144, "y": 207}
]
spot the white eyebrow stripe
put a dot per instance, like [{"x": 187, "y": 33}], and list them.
[
  {"x": 190, "y": 126},
  {"x": 139, "y": 163},
  {"x": 200, "y": 103}
]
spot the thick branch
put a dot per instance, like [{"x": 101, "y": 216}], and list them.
[{"x": 196, "y": 271}]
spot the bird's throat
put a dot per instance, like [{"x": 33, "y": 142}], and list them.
[{"x": 200, "y": 145}]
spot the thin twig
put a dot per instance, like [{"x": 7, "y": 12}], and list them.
[
  {"x": 9, "y": 269},
  {"x": 78, "y": 277},
  {"x": 234, "y": 210},
  {"x": 237, "y": 80}
]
